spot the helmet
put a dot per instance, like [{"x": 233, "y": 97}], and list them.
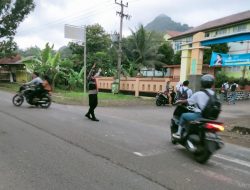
[{"x": 207, "y": 81}]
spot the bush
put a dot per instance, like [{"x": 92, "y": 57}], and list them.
[
  {"x": 243, "y": 82},
  {"x": 220, "y": 78}
]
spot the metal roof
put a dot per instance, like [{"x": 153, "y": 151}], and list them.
[
  {"x": 228, "y": 20},
  {"x": 15, "y": 60}
]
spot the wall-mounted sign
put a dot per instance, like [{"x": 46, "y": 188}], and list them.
[{"x": 220, "y": 59}]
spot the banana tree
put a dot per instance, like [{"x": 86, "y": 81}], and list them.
[
  {"x": 46, "y": 62},
  {"x": 75, "y": 78}
]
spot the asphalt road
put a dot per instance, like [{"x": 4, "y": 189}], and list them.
[{"x": 57, "y": 149}]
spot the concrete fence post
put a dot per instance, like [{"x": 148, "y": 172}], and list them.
[{"x": 137, "y": 85}]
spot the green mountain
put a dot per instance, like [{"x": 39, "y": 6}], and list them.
[{"x": 162, "y": 23}]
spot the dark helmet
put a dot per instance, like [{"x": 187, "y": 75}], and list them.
[
  {"x": 186, "y": 83},
  {"x": 207, "y": 81}
]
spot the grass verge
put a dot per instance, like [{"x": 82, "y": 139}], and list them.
[{"x": 79, "y": 98}]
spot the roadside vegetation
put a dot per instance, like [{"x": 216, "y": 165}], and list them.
[
  {"x": 79, "y": 98},
  {"x": 141, "y": 49}
]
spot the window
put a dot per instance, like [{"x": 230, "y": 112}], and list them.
[
  {"x": 148, "y": 87},
  {"x": 234, "y": 69},
  {"x": 189, "y": 39},
  {"x": 154, "y": 87},
  {"x": 221, "y": 32},
  {"x": 240, "y": 28},
  {"x": 177, "y": 46},
  {"x": 206, "y": 34}
]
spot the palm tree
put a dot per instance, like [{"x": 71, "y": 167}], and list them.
[{"x": 145, "y": 49}]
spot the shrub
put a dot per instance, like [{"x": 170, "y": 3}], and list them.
[
  {"x": 243, "y": 82},
  {"x": 220, "y": 78}
]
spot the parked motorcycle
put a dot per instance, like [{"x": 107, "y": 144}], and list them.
[
  {"x": 161, "y": 99},
  {"x": 199, "y": 137},
  {"x": 25, "y": 91}
]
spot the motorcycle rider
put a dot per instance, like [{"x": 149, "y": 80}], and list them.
[
  {"x": 37, "y": 82},
  {"x": 185, "y": 92},
  {"x": 167, "y": 91},
  {"x": 198, "y": 100},
  {"x": 46, "y": 84}
]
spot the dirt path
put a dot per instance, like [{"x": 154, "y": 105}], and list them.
[{"x": 237, "y": 131}]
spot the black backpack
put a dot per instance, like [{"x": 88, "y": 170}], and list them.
[
  {"x": 183, "y": 94},
  {"x": 212, "y": 108},
  {"x": 233, "y": 87}
]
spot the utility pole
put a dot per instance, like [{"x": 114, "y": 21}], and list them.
[
  {"x": 122, "y": 15},
  {"x": 85, "y": 62}
]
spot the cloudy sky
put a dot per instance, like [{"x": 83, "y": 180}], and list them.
[{"x": 46, "y": 22}]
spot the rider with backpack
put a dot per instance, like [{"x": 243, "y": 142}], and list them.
[
  {"x": 233, "y": 88},
  {"x": 224, "y": 90},
  {"x": 184, "y": 91},
  {"x": 205, "y": 104}
]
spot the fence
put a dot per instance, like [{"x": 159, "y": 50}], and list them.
[
  {"x": 138, "y": 86},
  {"x": 240, "y": 95}
]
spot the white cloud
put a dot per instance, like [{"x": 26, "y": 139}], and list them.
[{"x": 46, "y": 22}]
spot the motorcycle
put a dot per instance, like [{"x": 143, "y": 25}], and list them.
[
  {"x": 199, "y": 137},
  {"x": 161, "y": 99},
  {"x": 25, "y": 91}
]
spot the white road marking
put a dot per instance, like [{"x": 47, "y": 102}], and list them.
[
  {"x": 226, "y": 167},
  {"x": 234, "y": 160},
  {"x": 138, "y": 154},
  {"x": 222, "y": 178}
]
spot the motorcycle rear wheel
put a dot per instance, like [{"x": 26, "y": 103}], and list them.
[
  {"x": 202, "y": 155},
  {"x": 173, "y": 141},
  {"x": 18, "y": 100},
  {"x": 158, "y": 102},
  {"x": 47, "y": 103}
]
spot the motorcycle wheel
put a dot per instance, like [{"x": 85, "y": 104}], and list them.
[
  {"x": 202, "y": 155},
  {"x": 173, "y": 141},
  {"x": 18, "y": 100},
  {"x": 47, "y": 100},
  {"x": 158, "y": 102}
]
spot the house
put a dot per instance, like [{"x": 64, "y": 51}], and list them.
[
  {"x": 12, "y": 69},
  {"x": 233, "y": 30},
  {"x": 170, "y": 34},
  {"x": 173, "y": 71}
]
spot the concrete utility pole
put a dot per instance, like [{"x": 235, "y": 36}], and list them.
[
  {"x": 85, "y": 62},
  {"x": 122, "y": 15}
]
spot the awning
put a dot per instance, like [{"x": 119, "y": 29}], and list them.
[{"x": 226, "y": 39}]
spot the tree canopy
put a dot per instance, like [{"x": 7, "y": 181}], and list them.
[
  {"x": 98, "y": 50},
  {"x": 12, "y": 13},
  {"x": 142, "y": 49},
  {"x": 220, "y": 48}
]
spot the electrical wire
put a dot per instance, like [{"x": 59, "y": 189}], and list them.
[{"x": 91, "y": 12}]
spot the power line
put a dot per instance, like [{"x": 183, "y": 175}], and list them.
[
  {"x": 69, "y": 18},
  {"x": 89, "y": 13}
]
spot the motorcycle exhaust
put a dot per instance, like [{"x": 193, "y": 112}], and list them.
[
  {"x": 42, "y": 102},
  {"x": 192, "y": 141}
]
